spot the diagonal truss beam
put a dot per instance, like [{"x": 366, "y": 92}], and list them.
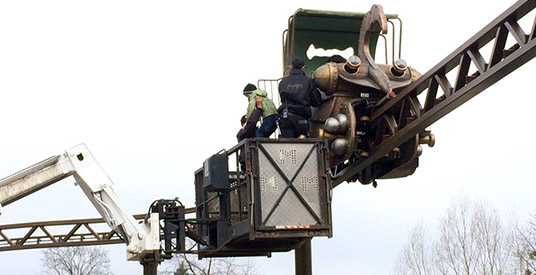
[
  {"x": 79, "y": 232},
  {"x": 439, "y": 102},
  {"x": 26, "y": 235}
]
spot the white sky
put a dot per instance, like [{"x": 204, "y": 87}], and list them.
[{"x": 153, "y": 88}]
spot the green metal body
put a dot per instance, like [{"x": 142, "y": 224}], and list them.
[{"x": 323, "y": 29}]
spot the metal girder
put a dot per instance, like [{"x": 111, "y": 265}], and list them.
[
  {"x": 78, "y": 232},
  {"x": 442, "y": 96},
  {"x": 45, "y": 234}
]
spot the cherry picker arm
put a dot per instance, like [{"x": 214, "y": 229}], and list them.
[{"x": 143, "y": 240}]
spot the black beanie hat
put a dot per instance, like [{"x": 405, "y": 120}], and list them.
[
  {"x": 249, "y": 88},
  {"x": 298, "y": 63}
]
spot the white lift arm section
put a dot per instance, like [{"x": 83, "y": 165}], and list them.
[{"x": 142, "y": 239}]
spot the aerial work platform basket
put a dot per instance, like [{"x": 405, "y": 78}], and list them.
[{"x": 263, "y": 196}]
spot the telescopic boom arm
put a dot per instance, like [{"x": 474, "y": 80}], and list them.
[{"x": 142, "y": 239}]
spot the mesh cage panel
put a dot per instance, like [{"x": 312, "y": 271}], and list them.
[{"x": 280, "y": 204}]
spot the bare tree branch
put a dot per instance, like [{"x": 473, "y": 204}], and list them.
[
  {"x": 188, "y": 264},
  {"x": 524, "y": 246},
  {"x": 77, "y": 260},
  {"x": 415, "y": 256},
  {"x": 472, "y": 240}
]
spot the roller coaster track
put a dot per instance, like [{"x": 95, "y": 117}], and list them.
[
  {"x": 411, "y": 118},
  {"x": 38, "y": 234},
  {"x": 45, "y": 234},
  {"x": 403, "y": 117}
]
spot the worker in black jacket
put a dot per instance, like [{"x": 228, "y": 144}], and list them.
[
  {"x": 249, "y": 127},
  {"x": 298, "y": 93}
]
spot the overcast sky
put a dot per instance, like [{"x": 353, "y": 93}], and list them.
[{"x": 154, "y": 88}]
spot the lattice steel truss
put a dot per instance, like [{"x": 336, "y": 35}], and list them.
[
  {"x": 38, "y": 234},
  {"x": 61, "y": 233}
]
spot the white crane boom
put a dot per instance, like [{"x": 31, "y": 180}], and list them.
[{"x": 142, "y": 239}]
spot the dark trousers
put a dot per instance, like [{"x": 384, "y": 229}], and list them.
[
  {"x": 293, "y": 126},
  {"x": 268, "y": 126}
]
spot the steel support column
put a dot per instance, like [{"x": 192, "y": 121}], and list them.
[
  {"x": 150, "y": 264},
  {"x": 303, "y": 258},
  {"x": 150, "y": 268}
]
